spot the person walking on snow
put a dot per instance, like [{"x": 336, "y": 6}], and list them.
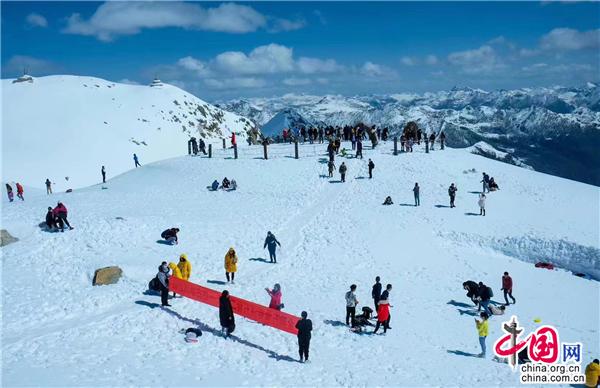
[
  {"x": 20, "y": 191},
  {"x": 136, "y": 161},
  {"x": 351, "y": 303},
  {"x": 359, "y": 148},
  {"x": 271, "y": 242},
  {"x": 9, "y": 192},
  {"x": 226, "y": 314},
  {"x": 416, "y": 190},
  {"x": 163, "y": 282},
  {"x": 452, "y": 193},
  {"x": 331, "y": 168},
  {"x": 304, "y": 327},
  {"x": 103, "y": 171},
  {"x": 507, "y": 285},
  {"x": 233, "y": 140},
  {"x": 185, "y": 267},
  {"x": 482, "y": 330},
  {"x": 371, "y": 167},
  {"x": 486, "y": 183},
  {"x": 275, "y": 295},
  {"x": 48, "y": 186},
  {"x": 231, "y": 260},
  {"x": 343, "y": 170},
  {"x": 60, "y": 212},
  {"x": 481, "y": 203},
  {"x": 383, "y": 315},
  {"x": 376, "y": 292}
]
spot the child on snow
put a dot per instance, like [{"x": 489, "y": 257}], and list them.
[
  {"x": 481, "y": 204},
  {"x": 482, "y": 329},
  {"x": 275, "y": 295},
  {"x": 231, "y": 260}
]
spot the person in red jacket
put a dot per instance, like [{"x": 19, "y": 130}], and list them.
[
  {"x": 275, "y": 295},
  {"x": 233, "y": 141},
  {"x": 507, "y": 285},
  {"x": 20, "y": 191},
  {"x": 60, "y": 212},
  {"x": 383, "y": 313}
]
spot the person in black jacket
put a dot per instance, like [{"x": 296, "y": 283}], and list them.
[
  {"x": 170, "y": 236},
  {"x": 376, "y": 292},
  {"x": 271, "y": 242},
  {"x": 371, "y": 167},
  {"x": 50, "y": 219},
  {"x": 226, "y": 314},
  {"x": 163, "y": 284},
  {"x": 483, "y": 292},
  {"x": 304, "y": 327},
  {"x": 472, "y": 290}
]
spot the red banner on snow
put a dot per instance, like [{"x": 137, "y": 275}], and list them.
[{"x": 265, "y": 315}]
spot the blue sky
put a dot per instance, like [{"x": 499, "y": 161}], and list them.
[{"x": 229, "y": 50}]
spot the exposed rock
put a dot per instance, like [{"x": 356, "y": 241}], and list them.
[
  {"x": 107, "y": 275},
  {"x": 6, "y": 238}
]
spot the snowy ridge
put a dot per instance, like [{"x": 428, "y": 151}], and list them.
[
  {"x": 69, "y": 126},
  {"x": 554, "y": 130},
  {"x": 63, "y": 331}
]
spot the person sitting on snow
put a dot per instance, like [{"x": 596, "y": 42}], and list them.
[
  {"x": 170, "y": 236},
  {"x": 225, "y": 184},
  {"x": 362, "y": 319},
  {"x": 233, "y": 184},
  {"x": 388, "y": 201},
  {"x": 215, "y": 185},
  {"x": 497, "y": 310},
  {"x": 493, "y": 185},
  {"x": 50, "y": 219}
]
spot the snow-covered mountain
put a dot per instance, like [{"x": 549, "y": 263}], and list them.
[
  {"x": 61, "y": 127},
  {"x": 59, "y": 330},
  {"x": 554, "y": 130}
]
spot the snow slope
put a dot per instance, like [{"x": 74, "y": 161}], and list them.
[
  {"x": 59, "y": 330},
  {"x": 69, "y": 126}
]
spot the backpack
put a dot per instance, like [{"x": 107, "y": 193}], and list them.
[
  {"x": 490, "y": 292},
  {"x": 154, "y": 284}
]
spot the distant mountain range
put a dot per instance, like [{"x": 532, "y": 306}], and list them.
[{"x": 553, "y": 130}]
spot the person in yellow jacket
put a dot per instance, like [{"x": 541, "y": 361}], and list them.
[
  {"x": 185, "y": 267},
  {"x": 175, "y": 272},
  {"x": 592, "y": 374},
  {"x": 231, "y": 260},
  {"x": 482, "y": 330}
]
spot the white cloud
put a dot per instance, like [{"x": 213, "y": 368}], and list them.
[
  {"x": 286, "y": 25},
  {"x": 36, "y": 20},
  {"x": 565, "y": 39},
  {"x": 297, "y": 81},
  {"x": 272, "y": 58},
  {"x": 371, "y": 69},
  {"x": 127, "y": 81},
  {"x": 408, "y": 61},
  {"x": 481, "y": 60},
  {"x": 431, "y": 60},
  {"x": 235, "y": 83},
  {"x": 194, "y": 65},
  {"x": 314, "y": 65},
  {"x": 113, "y": 19}
]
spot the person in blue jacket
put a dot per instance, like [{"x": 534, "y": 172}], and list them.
[{"x": 271, "y": 242}]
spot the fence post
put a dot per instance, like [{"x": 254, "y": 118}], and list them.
[
  {"x": 224, "y": 146},
  {"x": 296, "y": 149},
  {"x": 265, "y": 150},
  {"x": 210, "y": 150},
  {"x": 235, "y": 151},
  {"x": 426, "y": 145},
  {"x": 396, "y": 145}
]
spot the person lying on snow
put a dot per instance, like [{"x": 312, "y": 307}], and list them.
[
  {"x": 362, "y": 320},
  {"x": 170, "y": 236}
]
